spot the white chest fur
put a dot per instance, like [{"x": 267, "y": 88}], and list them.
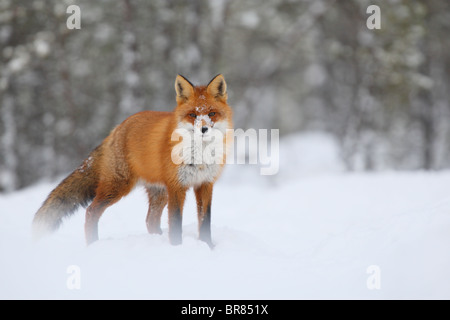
[
  {"x": 200, "y": 156},
  {"x": 196, "y": 174}
]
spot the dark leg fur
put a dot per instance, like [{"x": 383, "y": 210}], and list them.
[
  {"x": 176, "y": 202},
  {"x": 205, "y": 228},
  {"x": 203, "y": 195}
]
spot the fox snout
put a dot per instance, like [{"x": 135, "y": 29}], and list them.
[
  {"x": 203, "y": 125},
  {"x": 204, "y": 132}
]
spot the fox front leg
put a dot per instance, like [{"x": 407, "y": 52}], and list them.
[
  {"x": 176, "y": 202},
  {"x": 203, "y": 195}
]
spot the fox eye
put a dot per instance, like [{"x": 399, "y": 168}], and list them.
[
  {"x": 211, "y": 114},
  {"x": 193, "y": 115}
]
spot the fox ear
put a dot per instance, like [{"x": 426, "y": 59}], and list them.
[
  {"x": 183, "y": 88},
  {"x": 217, "y": 88}
]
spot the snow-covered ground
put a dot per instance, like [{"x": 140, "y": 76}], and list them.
[{"x": 312, "y": 231}]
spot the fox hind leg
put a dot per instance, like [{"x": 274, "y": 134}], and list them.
[
  {"x": 93, "y": 214},
  {"x": 157, "y": 198},
  {"x": 106, "y": 195}
]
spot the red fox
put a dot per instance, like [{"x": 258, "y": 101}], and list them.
[{"x": 142, "y": 149}]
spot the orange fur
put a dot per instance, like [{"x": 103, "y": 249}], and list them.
[{"x": 140, "y": 149}]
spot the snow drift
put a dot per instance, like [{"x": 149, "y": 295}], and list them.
[{"x": 291, "y": 236}]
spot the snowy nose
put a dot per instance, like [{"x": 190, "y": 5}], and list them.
[{"x": 204, "y": 129}]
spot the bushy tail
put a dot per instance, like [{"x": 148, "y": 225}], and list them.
[{"x": 75, "y": 190}]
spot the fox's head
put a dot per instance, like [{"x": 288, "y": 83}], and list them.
[{"x": 203, "y": 109}]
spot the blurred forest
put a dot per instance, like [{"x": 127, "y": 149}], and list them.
[{"x": 293, "y": 65}]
